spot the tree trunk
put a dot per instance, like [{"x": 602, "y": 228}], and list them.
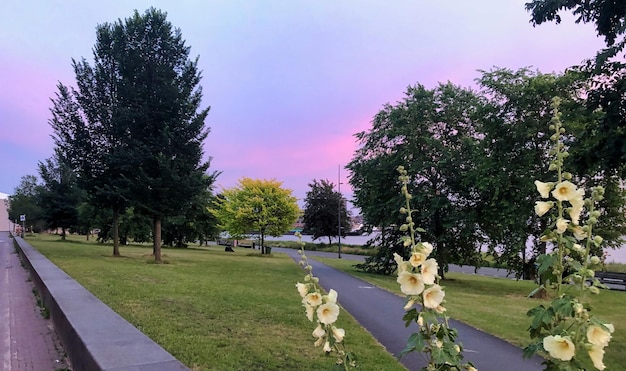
[
  {"x": 330, "y": 241},
  {"x": 262, "y": 242},
  {"x": 157, "y": 240},
  {"x": 116, "y": 233},
  {"x": 63, "y": 233}
]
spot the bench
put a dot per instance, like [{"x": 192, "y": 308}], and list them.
[{"x": 612, "y": 278}]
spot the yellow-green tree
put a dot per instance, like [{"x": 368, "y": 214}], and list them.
[{"x": 257, "y": 206}]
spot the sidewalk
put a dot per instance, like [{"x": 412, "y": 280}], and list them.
[
  {"x": 380, "y": 312},
  {"x": 27, "y": 340}
]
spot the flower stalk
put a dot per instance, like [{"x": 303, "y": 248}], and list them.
[{"x": 323, "y": 309}]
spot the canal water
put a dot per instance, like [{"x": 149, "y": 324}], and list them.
[{"x": 613, "y": 256}]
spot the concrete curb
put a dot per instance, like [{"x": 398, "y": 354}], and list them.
[{"x": 94, "y": 336}]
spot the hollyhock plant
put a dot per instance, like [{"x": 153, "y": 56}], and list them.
[
  {"x": 418, "y": 280},
  {"x": 565, "y": 331},
  {"x": 323, "y": 309}
]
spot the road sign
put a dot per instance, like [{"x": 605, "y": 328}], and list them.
[{"x": 22, "y": 217}]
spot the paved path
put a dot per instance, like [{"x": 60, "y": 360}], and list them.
[
  {"x": 380, "y": 312},
  {"x": 27, "y": 340}
]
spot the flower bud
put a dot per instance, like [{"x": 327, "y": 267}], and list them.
[
  {"x": 404, "y": 228},
  {"x": 403, "y": 210},
  {"x": 594, "y": 260},
  {"x": 597, "y": 240},
  {"x": 594, "y": 290},
  {"x": 566, "y": 175},
  {"x": 552, "y": 167},
  {"x": 578, "y": 308}
]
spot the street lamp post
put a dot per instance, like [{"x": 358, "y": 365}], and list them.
[{"x": 339, "y": 210}]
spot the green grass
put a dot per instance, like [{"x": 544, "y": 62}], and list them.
[
  {"x": 498, "y": 306},
  {"x": 212, "y": 310}
]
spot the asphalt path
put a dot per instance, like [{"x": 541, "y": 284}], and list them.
[{"x": 380, "y": 312}]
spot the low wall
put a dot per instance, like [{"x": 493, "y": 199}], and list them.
[{"x": 93, "y": 335}]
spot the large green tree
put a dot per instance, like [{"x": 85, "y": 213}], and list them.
[
  {"x": 135, "y": 126},
  {"x": 256, "y": 206},
  {"x": 325, "y": 211},
  {"x": 430, "y": 132}
]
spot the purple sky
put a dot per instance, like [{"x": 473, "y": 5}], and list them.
[{"x": 289, "y": 82}]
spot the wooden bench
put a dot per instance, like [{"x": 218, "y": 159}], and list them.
[{"x": 612, "y": 278}]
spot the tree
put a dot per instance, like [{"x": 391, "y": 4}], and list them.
[
  {"x": 134, "y": 125},
  {"x": 60, "y": 196},
  {"x": 606, "y": 75},
  {"x": 323, "y": 210},
  {"x": 24, "y": 201},
  {"x": 430, "y": 133},
  {"x": 256, "y": 206}
]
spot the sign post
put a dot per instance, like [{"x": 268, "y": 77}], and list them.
[{"x": 23, "y": 220}]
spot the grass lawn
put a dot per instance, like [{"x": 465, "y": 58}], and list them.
[
  {"x": 498, "y": 306},
  {"x": 212, "y": 310}
]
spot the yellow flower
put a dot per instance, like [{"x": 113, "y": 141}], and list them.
[
  {"x": 338, "y": 333},
  {"x": 560, "y": 347},
  {"x": 561, "y": 225},
  {"x": 565, "y": 191},
  {"x": 426, "y": 248},
  {"x": 596, "y": 353},
  {"x": 303, "y": 289},
  {"x": 417, "y": 258},
  {"x": 543, "y": 188},
  {"x": 598, "y": 335},
  {"x": 319, "y": 331},
  {"x": 542, "y": 207},
  {"x": 433, "y": 297},
  {"x": 313, "y": 299},
  {"x": 410, "y": 283},
  {"x": 328, "y": 313},
  {"x": 429, "y": 271}
]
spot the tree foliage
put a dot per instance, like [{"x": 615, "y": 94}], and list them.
[
  {"x": 59, "y": 195},
  {"x": 324, "y": 209},
  {"x": 430, "y": 133},
  {"x": 25, "y": 201},
  {"x": 256, "y": 206},
  {"x": 134, "y": 127}
]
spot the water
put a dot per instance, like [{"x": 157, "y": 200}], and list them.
[{"x": 613, "y": 256}]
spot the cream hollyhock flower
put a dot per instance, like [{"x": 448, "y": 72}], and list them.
[
  {"x": 543, "y": 188},
  {"x": 331, "y": 297},
  {"x": 303, "y": 289},
  {"x": 313, "y": 299},
  {"x": 579, "y": 233},
  {"x": 561, "y": 225},
  {"x": 429, "y": 271},
  {"x": 417, "y": 258},
  {"x": 596, "y": 353},
  {"x": 574, "y": 214},
  {"x": 328, "y": 313},
  {"x": 410, "y": 283},
  {"x": 598, "y": 335},
  {"x": 559, "y": 347},
  {"x": 426, "y": 248},
  {"x": 542, "y": 207},
  {"x": 309, "y": 312},
  {"x": 319, "y": 331},
  {"x": 565, "y": 191},
  {"x": 433, "y": 297},
  {"x": 399, "y": 262},
  {"x": 409, "y": 304},
  {"x": 440, "y": 309},
  {"x": 319, "y": 341},
  {"x": 327, "y": 347},
  {"x": 338, "y": 333}
]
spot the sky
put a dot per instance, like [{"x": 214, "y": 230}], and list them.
[{"x": 289, "y": 82}]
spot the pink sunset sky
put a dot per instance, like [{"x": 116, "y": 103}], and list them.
[{"x": 289, "y": 82}]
